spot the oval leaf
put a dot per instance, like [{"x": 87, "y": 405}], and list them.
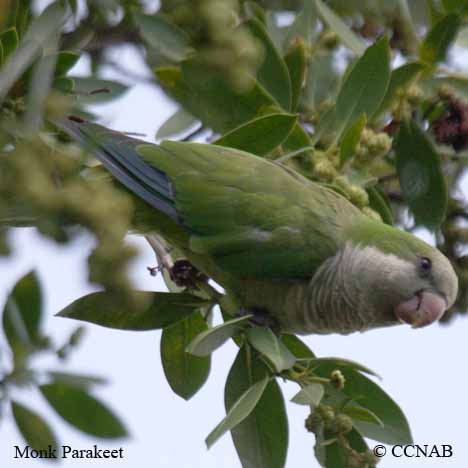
[
  {"x": 185, "y": 373},
  {"x": 207, "y": 96},
  {"x": 83, "y": 411},
  {"x": 260, "y": 136},
  {"x": 378, "y": 202},
  {"x": 340, "y": 28},
  {"x": 76, "y": 380},
  {"x": 297, "y": 347},
  {"x": 421, "y": 179},
  {"x": 38, "y": 34},
  {"x": 66, "y": 60},
  {"x": 256, "y": 443},
  {"x": 35, "y": 431},
  {"x": 161, "y": 310},
  {"x": 365, "y": 86},
  {"x": 310, "y": 395},
  {"x": 362, "y": 414},
  {"x": 22, "y": 313},
  {"x": 9, "y": 39},
  {"x": 296, "y": 61},
  {"x": 351, "y": 138},
  {"x": 94, "y": 90},
  {"x": 239, "y": 411},
  {"x": 273, "y": 73},
  {"x": 179, "y": 122},
  {"x": 208, "y": 341},
  {"x": 341, "y": 362},
  {"x": 435, "y": 45},
  {"x": 164, "y": 36},
  {"x": 266, "y": 342},
  {"x": 400, "y": 78}
]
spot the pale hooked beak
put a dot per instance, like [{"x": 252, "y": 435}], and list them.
[{"x": 424, "y": 308}]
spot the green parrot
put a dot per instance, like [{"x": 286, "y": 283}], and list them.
[{"x": 278, "y": 242}]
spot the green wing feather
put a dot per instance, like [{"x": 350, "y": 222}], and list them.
[{"x": 252, "y": 217}]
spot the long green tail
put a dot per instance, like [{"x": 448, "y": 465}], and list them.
[{"x": 117, "y": 152}]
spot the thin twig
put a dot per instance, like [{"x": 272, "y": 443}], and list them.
[{"x": 161, "y": 250}]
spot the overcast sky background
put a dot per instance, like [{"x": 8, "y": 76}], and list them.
[{"x": 423, "y": 370}]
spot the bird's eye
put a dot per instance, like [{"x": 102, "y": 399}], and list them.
[{"x": 425, "y": 264}]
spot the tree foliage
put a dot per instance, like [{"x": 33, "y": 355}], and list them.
[{"x": 364, "y": 97}]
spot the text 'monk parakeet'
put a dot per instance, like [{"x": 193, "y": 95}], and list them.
[{"x": 275, "y": 240}]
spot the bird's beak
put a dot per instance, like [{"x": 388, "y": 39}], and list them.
[{"x": 424, "y": 308}]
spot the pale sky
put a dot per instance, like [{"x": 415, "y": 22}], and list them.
[{"x": 423, "y": 370}]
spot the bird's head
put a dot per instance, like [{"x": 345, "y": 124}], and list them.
[
  {"x": 430, "y": 287},
  {"x": 414, "y": 282}
]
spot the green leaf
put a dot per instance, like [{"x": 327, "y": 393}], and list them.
[
  {"x": 256, "y": 444},
  {"x": 160, "y": 310},
  {"x": 341, "y": 362},
  {"x": 178, "y": 122},
  {"x": 351, "y": 138},
  {"x": 66, "y": 60},
  {"x": 76, "y": 380},
  {"x": 76, "y": 406},
  {"x": 378, "y": 202},
  {"x": 185, "y": 373},
  {"x": 435, "y": 45},
  {"x": 421, "y": 178},
  {"x": 297, "y": 140},
  {"x": 22, "y": 313},
  {"x": 297, "y": 347},
  {"x": 239, "y": 411},
  {"x": 332, "y": 455},
  {"x": 255, "y": 10},
  {"x": 164, "y": 36},
  {"x": 359, "y": 413},
  {"x": 370, "y": 396},
  {"x": 310, "y": 395},
  {"x": 10, "y": 40},
  {"x": 40, "y": 31},
  {"x": 260, "y": 136},
  {"x": 296, "y": 61},
  {"x": 205, "y": 94},
  {"x": 65, "y": 85},
  {"x": 400, "y": 78},
  {"x": 266, "y": 342},
  {"x": 35, "y": 430},
  {"x": 322, "y": 80},
  {"x": 208, "y": 341},
  {"x": 365, "y": 86},
  {"x": 340, "y": 28},
  {"x": 273, "y": 73},
  {"x": 454, "y": 5},
  {"x": 94, "y": 90}
]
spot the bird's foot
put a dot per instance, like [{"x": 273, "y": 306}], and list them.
[
  {"x": 153, "y": 271},
  {"x": 185, "y": 275},
  {"x": 260, "y": 317}
]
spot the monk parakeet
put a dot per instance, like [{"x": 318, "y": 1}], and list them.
[{"x": 275, "y": 240}]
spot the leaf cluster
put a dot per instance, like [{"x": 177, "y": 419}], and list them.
[
  {"x": 360, "y": 96},
  {"x": 69, "y": 395}
]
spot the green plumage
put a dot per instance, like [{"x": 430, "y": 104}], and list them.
[
  {"x": 268, "y": 235},
  {"x": 252, "y": 216}
]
